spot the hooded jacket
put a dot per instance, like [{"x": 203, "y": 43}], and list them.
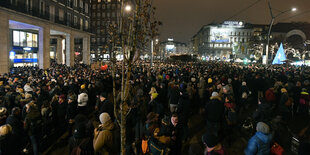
[
  {"x": 259, "y": 144},
  {"x": 104, "y": 140}
]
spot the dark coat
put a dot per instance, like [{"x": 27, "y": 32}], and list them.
[{"x": 214, "y": 109}]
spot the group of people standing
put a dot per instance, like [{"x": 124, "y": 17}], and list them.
[{"x": 39, "y": 104}]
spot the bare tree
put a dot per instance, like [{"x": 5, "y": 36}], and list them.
[{"x": 129, "y": 38}]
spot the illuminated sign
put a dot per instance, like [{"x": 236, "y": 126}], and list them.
[
  {"x": 234, "y": 23},
  {"x": 27, "y": 48},
  {"x": 170, "y": 47},
  {"x": 26, "y": 60},
  {"x": 12, "y": 55},
  {"x": 220, "y": 35}
]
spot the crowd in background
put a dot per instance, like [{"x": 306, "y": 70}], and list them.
[{"x": 39, "y": 104}]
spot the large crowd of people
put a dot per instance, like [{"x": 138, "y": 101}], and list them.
[{"x": 38, "y": 105}]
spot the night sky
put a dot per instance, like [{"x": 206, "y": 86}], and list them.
[{"x": 183, "y": 18}]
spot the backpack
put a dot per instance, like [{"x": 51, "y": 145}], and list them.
[{"x": 78, "y": 149}]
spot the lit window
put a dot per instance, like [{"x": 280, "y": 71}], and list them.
[
  {"x": 35, "y": 40},
  {"x": 16, "y": 38},
  {"x": 29, "y": 39},
  {"x": 108, "y": 0}
]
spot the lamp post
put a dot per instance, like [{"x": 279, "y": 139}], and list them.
[{"x": 270, "y": 26}]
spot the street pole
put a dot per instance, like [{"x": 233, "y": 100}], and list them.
[
  {"x": 152, "y": 52},
  {"x": 270, "y": 27}
]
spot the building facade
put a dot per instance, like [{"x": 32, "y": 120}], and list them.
[
  {"x": 104, "y": 12},
  {"x": 36, "y": 32},
  {"x": 222, "y": 41},
  {"x": 171, "y": 47}
]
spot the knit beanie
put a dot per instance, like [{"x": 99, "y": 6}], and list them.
[
  {"x": 209, "y": 80},
  {"x": 210, "y": 140},
  {"x": 262, "y": 127},
  {"x": 104, "y": 117},
  {"x": 243, "y": 83},
  {"x": 283, "y": 90},
  {"x": 215, "y": 94}
]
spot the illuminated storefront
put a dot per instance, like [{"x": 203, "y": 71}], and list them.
[{"x": 24, "y": 48}]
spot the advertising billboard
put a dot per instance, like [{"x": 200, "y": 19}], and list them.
[{"x": 220, "y": 35}]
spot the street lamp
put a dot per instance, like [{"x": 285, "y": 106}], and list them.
[
  {"x": 127, "y": 8},
  {"x": 265, "y": 61}
]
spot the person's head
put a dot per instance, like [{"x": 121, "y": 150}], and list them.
[
  {"x": 104, "y": 117},
  {"x": 174, "y": 119},
  {"x": 5, "y": 130},
  {"x": 15, "y": 111},
  {"x": 30, "y": 107},
  {"x": 225, "y": 89},
  {"x": 210, "y": 141},
  {"x": 102, "y": 96},
  {"x": 262, "y": 127}
]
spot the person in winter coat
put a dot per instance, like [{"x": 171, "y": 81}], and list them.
[
  {"x": 104, "y": 105},
  {"x": 103, "y": 139},
  {"x": 213, "y": 147},
  {"x": 154, "y": 106},
  {"x": 80, "y": 138},
  {"x": 259, "y": 144},
  {"x": 263, "y": 112},
  {"x": 304, "y": 102},
  {"x": 284, "y": 110},
  {"x": 7, "y": 143},
  {"x": 174, "y": 98},
  {"x": 16, "y": 123},
  {"x": 33, "y": 126},
  {"x": 214, "y": 110}
]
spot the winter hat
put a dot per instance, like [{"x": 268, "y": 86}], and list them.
[
  {"x": 27, "y": 88},
  {"x": 210, "y": 140},
  {"x": 283, "y": 90},
  {"x": 209, "y": 80},
  {"x": 152, "y": 117},
  {"x": 104, "y": 117},
  {"x": 226, "y": 87},
  {"x": 83, "y": 86},
  {"x": 243, "y": 83},
  {"x": 5, "y": 129},
  {"x": 3, "y": 111},
  {"x": 262, "y": 127},
  {"x": 229, "y": 80},
  {"x": 215, "y": 94}
]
